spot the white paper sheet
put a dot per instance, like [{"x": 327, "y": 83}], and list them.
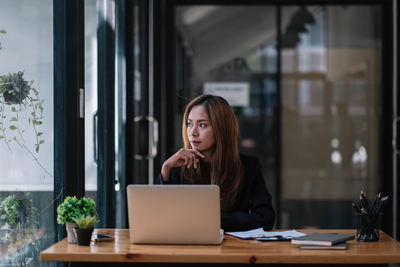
[{"x": 260, "y": 233}]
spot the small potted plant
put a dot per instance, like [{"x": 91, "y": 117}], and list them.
[
  {"x": 72, "y": 208},
  {"x": 84, "y": 229}
]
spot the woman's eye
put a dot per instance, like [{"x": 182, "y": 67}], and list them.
[
  {"x": 202, "y": 125},
  {"x": 189, "y": 124}
]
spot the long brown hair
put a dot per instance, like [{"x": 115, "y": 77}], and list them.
[{"x": 225, "y": 167}]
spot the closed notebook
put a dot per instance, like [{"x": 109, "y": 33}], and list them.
[
  {"x": 340, "y": 246},
  {"x": 322, "y": 239}
]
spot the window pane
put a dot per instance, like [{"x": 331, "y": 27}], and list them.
[
  {"x": 330, "y": 92},
  {"x": 26, "y": 130},
  {"x": 90, "y": 97}
]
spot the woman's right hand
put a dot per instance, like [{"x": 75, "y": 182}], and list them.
[{"x": 184, "y": 156}]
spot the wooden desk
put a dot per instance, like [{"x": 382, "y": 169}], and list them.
[{"x": 232, "y": 250}]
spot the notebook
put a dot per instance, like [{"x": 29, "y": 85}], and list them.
[
  {"x": 340, "y": 246},
  {"x": 322, "y": 239},
  {"x": 174, "y": 214}
]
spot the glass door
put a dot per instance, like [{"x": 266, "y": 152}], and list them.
[
  {"x": 305, "y": 83},
  {"x": 137, "y": 131},
  {"x": 142, "y": 126},
  {"x": 119, "y": 126}
]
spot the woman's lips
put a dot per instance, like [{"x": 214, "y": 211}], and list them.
[{"x": 195, "y": 142}]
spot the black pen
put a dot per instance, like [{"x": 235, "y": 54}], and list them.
[
  {"x": 381, "y": 204},
  {"x": 377, "y": 198},
  {"x": 356, "y": 208},
  {"x": 364, "y": 200}
]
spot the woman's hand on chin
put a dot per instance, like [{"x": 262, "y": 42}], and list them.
[{"x": 184, "y": 156}]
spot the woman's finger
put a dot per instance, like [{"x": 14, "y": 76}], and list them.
[
  {"x": 196, "y": 160},
  {"x": 189, "y": 157},
  {"x": 197, "y": 153},
  {"x": 190, "y": 161},
  {"x": 186, "y": 160}
]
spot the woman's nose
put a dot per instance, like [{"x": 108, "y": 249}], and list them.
[{"x": 194, "y": 131}]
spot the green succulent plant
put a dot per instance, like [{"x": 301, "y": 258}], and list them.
[
  {"x": 86, "y": 221},
  {"x": 74, "y": 207}
]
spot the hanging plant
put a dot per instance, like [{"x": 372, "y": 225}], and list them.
[
  {"x": 14, "y": 88},
  {"x": 17, "y": 95},
  {"x": 18, "y": 100}
]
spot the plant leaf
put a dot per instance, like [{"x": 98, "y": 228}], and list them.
[{"x": 13, "y": 127}]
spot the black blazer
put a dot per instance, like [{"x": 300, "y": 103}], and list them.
[{"x": 253, "y": 209}]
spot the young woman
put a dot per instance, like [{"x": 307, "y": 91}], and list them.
[{"x": 210, "y": 156}]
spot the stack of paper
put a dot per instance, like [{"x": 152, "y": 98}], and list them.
[{"x": 261, "y": 235}]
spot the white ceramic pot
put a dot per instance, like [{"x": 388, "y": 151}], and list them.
[{"x": 71, "y": 233}]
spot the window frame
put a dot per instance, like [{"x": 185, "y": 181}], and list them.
[{"x": 69, "y": 176}]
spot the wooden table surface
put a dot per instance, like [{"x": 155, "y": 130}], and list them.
[{"x": 232, "y": 250}]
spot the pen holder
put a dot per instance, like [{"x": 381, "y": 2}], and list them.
[{"x": 367, "y": 230}]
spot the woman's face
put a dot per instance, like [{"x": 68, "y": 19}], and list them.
[{"x": 199, "y": 130}]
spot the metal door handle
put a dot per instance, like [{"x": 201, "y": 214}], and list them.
[
  {"x": 153, "y": 142},
  {"x": 95, "y": 155}
]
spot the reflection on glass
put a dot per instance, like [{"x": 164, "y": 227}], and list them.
[
  {"x": 328, "y": 102},
  {"x": 330, "y": 91},
  {"x": 336, "y": 157},
  {"x": 231, "y": 51},
  {"x": 26, "y": 130}
]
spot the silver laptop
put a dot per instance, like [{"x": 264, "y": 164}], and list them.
[{"x": 174, "y": 214}]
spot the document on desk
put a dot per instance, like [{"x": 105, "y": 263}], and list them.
[{"x": 261, "y": 235}]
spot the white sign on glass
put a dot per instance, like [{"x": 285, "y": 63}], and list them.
[{"x": 236, "y": 93}]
